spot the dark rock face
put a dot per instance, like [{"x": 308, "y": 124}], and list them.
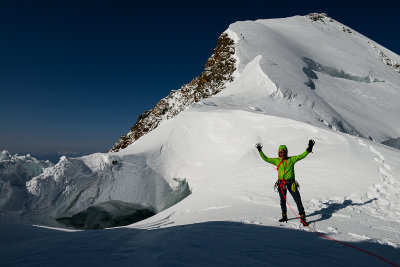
[
  {"x": 218, "y": 71},
  {"x": 318, "y": 17},
  {"x": 385, "y": 59}
]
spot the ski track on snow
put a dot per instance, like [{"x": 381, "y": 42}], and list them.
[
  {"x": 385, "y": 208},
  {"x": 377, "y": 210}
]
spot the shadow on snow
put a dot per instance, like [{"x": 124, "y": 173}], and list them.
[
  {"x": 326, "y": 213},
  {"x": 210, "y": 243}
]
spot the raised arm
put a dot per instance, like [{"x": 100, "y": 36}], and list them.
[
  {"x": 265, "y": 158},
  {"x": 299, "y": 157},
  {"x": 308, "y": 150}
]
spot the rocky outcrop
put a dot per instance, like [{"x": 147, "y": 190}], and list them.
[
  {"x": 217, "y": 73},
  {"x": 385, "y": 59},
  {"x": 346, "y": 30},
  {"x": 319, "y": 17}
]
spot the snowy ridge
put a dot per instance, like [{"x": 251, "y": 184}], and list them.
[{"x": 219, "y": 70}]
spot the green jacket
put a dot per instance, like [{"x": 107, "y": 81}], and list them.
[{"x": 287, "y": 163}]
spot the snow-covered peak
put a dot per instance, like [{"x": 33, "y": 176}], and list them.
[
  {"x": 325, "y": 74},
  {"x": 308, "y": 68}
]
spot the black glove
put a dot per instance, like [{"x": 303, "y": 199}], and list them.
[
  {"x": 310, "y": 145},
  {"x": 259, "y": 147}
]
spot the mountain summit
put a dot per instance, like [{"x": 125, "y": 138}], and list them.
[{"x": 308, "y": 68}]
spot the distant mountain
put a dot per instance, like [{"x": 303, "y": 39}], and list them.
[{"x": 55, "y": 157}]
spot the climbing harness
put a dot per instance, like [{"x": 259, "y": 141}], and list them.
[{"x": 293, "y": 185}]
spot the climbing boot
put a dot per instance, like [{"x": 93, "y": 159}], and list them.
[
  {"x": 284, "y": 218},
  {"x": 303, "y": 219}
]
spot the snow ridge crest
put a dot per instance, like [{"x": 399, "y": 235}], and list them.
[{"x": 218, "y": 72}]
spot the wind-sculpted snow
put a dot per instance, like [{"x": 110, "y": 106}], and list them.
[
  {"x": 117, "y": 213},
  {"x": 19, "y": 169},
  {"x": 217, "y": 73},
  {"x": 315, "y": 66},
  {"x": 74, "y": 185},
  {"x": 15, "y": 171}
]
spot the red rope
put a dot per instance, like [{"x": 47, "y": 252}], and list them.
[{"x": 315, "y": 231}]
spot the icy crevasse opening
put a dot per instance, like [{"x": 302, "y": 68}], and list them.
[
  {"x": 116, "y": 213},
  {"x": 112, "y": 213},
  {"x": 90, "y": 192}
]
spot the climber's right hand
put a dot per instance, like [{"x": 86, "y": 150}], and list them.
[{"x": 258, "y": 146}]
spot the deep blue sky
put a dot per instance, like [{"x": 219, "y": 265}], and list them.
[{"x": 75, "y": 75}]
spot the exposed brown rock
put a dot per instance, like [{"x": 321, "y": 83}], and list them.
[
  {"x": 217, "y": 72},
  {"x": 319, "y": 17},
  {"x": 346, "y": 30},
  {"x": 385, "y": 59}
]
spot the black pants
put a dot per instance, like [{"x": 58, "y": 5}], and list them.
[{"x": 295, "y": 195}]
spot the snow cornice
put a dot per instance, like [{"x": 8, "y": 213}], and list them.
[{"x": 218, "y": 71}]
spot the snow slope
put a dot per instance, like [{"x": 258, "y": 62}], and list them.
[
  {"x": 230, "y": 182},
  {"x": 349, "y": 185},
  {"x": 349, "y": 188},
  {"x": 316, "y": 71}
]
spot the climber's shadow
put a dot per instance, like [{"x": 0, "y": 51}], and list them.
[{"x": 326, "y": 213}]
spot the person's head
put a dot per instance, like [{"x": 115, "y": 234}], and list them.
[{"x": 282, "y": 151}]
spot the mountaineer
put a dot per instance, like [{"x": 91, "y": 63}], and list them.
[{"x": 286, "y": 177}]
